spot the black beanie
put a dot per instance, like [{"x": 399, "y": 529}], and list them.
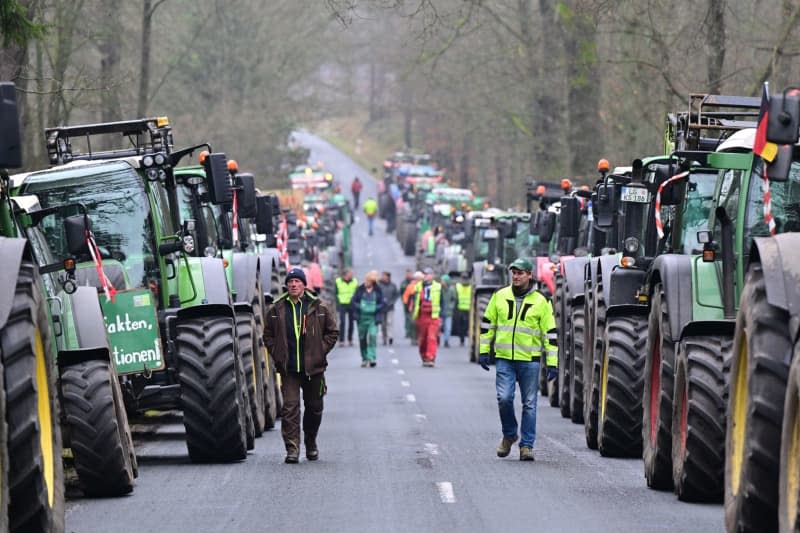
[{"x": 296, "y": 273}]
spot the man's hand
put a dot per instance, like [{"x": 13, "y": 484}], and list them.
[
  {"x": 483, "y": 360},
  {"x": 552, "y": 373}
]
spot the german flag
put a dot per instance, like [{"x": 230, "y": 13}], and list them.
[{"x": 766, "y": 150}]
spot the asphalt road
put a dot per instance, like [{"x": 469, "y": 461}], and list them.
[{"x": 402, "y": 448}]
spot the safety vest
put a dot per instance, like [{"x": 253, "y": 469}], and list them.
[
  {"x": 464, "y": 293},
  {"x": 370, "y": 207},
  {"x": 519, "y": 334},
  {"x": 436, "y": 299},
  {"x": 345, "y": 290}
]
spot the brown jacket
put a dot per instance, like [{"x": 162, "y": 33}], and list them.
[{"x": 319, "y": 337}]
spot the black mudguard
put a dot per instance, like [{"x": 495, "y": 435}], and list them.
[
  {"x": 674, "y": 271},
  {"x": 574, "y": 278},
  {"x": 90, "y": 329},
  {"x": 780, "y": 259},
  {"x": 13, "y": 251},
  {"x": 205, "y": 310},
  {"x": 627, "y": 309},
  {"x": 605, "y": 268},
  {"x": 709, "y": 327},
  {"x": 215, "y": 282},
  {"x": 624, "y": 285},
  {"x": 245, "y": 273},
  {"x": 268, "y": 261}
]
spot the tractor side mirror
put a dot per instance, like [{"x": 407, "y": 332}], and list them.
[
  {"x": 509, "y": 228},
  {"x": 75, "y": 227},
  {"x": 547, "y": 226},
  {"x": 778, "y": 170},
  {"x": 784, "y": 119},
  {"x": 10, "y": 138},
  {"x": 219, "y": 189},
  {"x": 247, "y": 196},
  {"x": 605, "y": 205},
  {"x": 534, "y": 223},
  {"x": 569, "y": 217},
  {"x": 264, "y": 215}
]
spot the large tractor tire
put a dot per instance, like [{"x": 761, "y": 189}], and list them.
[
  {"x": 253, "y": 365},
  {"x": 409, "y": 242},
  {"x": 576, "y": 338},
  {"x": 789, "y": 480},
  {"x": 702, "y": 365},
  {"x": 595, "y": 345},
  {"x": 759, "y": 373},
  {"x": 619, "y": 431},
  {"x": 35, "y": 473},
  {"x": 271, "y": 389},
  {"x": 562, "y": 323},
  {"x": 209, "y": 370},
  {"x": 657, "y": 396},
  {"x": 97, "y": 424}
]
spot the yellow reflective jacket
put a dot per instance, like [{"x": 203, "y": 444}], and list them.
[
  {"x": 519, "y": 334},
  {"x": 436, "y": 299},
  {"x": 345, "y": 290},
  {"x": 464, "y": 292}
]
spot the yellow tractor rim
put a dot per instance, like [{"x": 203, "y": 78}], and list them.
[
  {"x": 603, "y": 386},
  {"x": 267, "y": 369},
  {"x": 45, "y": 417},
  {"x": 793, "y": 465},
  {"x": 739, "y": 415}
]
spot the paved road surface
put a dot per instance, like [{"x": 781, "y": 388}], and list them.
[{"x": 402, "y": 448}]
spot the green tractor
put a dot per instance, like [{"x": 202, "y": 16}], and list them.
[
  {"x": 226, "y": 224},
  {"x": 31, "y": 470},
  {"x": 172, "y": 323}
]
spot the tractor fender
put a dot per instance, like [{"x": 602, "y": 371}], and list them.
[
  {"x": 215, "y": 283},
  {"x": 674, "y": 271},
  {"x": 245, "y": 273},
  {"x": 205, "y": 310},
  {"x": 780, "y": 259},
  {"x": 605, "y": 268},
  {"x": 624, "y": 284},
  {"x": 90, "y": 329},
  {"x": 269, "y": 260},
  {"x": 590, "y": 272},
  {"x": 13, "y": 251},
  {"x": 626, "y": 309},
  {"x": 574, "y": 277},
  {"x": 709, "y": 327}
]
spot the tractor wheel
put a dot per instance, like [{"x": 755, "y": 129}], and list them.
[
  {"x": 657, "y": 395},
  {"x": 4, "y": 465},
  {"x": 35, "y": 473},
  {"x": 271, "y": 391},
  {"x": 409, "y": 242},
  {"x": 591, "y": 368},
  {"x": 252, "y": 363},
  {"x": 99, "y": 435},
  {"x": 209, "y": 370},
  {"x": 789, "y": 481},
  {"x": 759, "y": 374},
  {"x": 562, "y": 322},
  {"x": 698, "y": 417},
  {"x": 577, "y": 321},
  {"x": 621, "y": 382}
]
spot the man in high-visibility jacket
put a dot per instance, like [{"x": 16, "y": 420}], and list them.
[
  {"x": 346, "y": 286},
  {"x": 371, "y": 209},
  {"x": 519, "y": 327},
  {"x": 463, "y": 303},
  {"x": 427, "y": 310}
]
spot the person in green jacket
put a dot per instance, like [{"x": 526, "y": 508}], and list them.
[
  {"x": 371, "y": 210},
  {"x": 368, "y": 308},
  {"x": 519, "y": 327}
]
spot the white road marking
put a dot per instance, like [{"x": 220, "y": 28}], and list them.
[
  {"x": 405, "y": 383},
  {"x": 400, "y": 372},
  {"x": 411, "y": 398},
  {"x": 395, "y": 362},
  {"x": 445, "y": 489},
  {"x": 421, "y": 417},
  {"x": 432, "y": 448},
  {"x": 391, "y": 351}
]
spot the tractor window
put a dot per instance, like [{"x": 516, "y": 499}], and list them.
[
  {"x": 785, "y": 204},
  {"x": 729, "y": 198},
  {"x": 115, "y": 197},
  {"x": 164, "y": 212},
  {"x": 696, "y": 208}
]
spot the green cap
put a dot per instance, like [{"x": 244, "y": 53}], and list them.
[{"x": 521, "y": 264}]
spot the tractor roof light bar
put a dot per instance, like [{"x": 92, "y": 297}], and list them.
[{"x": 147, "y": 135}]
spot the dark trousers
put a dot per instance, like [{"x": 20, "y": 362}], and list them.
[
  {"x": 345, "y": 318},
  {"x": 460, "y": 324},
  {"x": 314, "y": 389}
]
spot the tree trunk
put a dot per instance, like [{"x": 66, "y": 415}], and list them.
[
  {"x": 144, "y": 65},
  {"x": 715, "y": 44},
  {"x": 110, "y": 46}
]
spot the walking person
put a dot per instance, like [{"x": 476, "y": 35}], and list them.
[
  {"x": 427, "y": 310},
  {"x": 390, "y": 296},
  {"x": 463, "y": 303},
  {"x": 355, "y": 188},
  {"x": 345, "y": 288},
  {"x": 371, "y": 210},
  {"x": 519, "y": 325},
  {"x": 367, "y": 306},
  {"x": 300, "y": 332},
  {"x": 409, "y": 297},
  {"x": 408, "y": 323},
  {"x": 448, "y": 306}
]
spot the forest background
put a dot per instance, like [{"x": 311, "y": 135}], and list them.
[{"x": 498, "y": 91}]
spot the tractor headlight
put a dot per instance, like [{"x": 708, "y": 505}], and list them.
[
  {"x": 188, "y": 244},
  {"x": 159, "y": 159},
  {"x": 631, "y": 245},
  {"x": 147, "y": 161}
]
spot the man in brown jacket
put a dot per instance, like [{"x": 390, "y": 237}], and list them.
[{"x": 299, "y": 333}]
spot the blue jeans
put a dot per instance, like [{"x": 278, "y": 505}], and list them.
[
  {"x": 527, "y": 374},
  {"x": 447, "y": 328},
  {"x": 370, "y": 223}
]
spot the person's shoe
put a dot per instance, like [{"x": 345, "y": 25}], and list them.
[
  {"x": 351, "y": 343},
  {"x": 292, "y": 455},
  {"x": 363, "y": 364},
  {"x": 462, "y": 343},
  {"x": 341, "y": 343},
  {"x": 427, "y": 363},
  {"x": 391, "y": 341},
  {"x": 525, "y": 453},
  {"x": 505, "y": 446},
  {"x": 446, "y": 344},
  {"x": 312, "y": 452},
  {"x": 372, "y": 364}
]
